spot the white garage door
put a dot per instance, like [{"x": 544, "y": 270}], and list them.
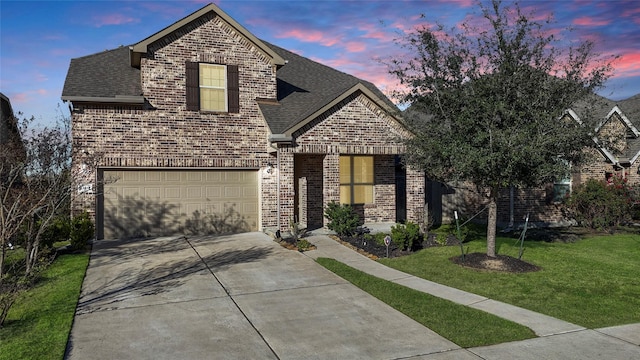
[{"x": 156, "y": 203}]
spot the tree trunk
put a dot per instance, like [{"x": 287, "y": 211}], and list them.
[
  {"x": 3, "y": 252},
  {"x": 491, "y": 226}
]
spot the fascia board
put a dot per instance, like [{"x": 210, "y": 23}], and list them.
[{"x": 141, "y": 47}]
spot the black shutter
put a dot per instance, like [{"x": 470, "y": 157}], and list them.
[
  {"x": 193, "y": 86},
  {"x": 233, "y": 88}
]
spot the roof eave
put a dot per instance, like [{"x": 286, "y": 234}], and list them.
[
  {"x": 280, "y": 139},
  {"x": 142, "y": 46},
  {"x": 108, "y": 100}
]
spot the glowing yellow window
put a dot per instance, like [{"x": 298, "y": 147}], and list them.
[
  {"x": 213, "y": 87},
  {"x": 356, "y": 179}
]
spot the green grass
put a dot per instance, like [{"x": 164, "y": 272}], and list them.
[
  {"x": 39, "y": 322},
  {"x": 594, "y": 282},
  {"x": 463, "y": 325}
]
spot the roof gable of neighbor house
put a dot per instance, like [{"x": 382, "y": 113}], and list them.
[
  {"x": 306, "y": 88},
  {"x": 616, "y": 118}
]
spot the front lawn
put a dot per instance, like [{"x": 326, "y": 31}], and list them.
[
  {"x": 463, "y": 325},
  {"x": 39, "y": 322},
  {"x": 594, "y": 282}
]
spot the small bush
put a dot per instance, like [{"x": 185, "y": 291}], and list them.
[
  {"x": 82, "y": 230},
  {"x": 58, "y": 231},
  {"x": 303, "y": 245},
  {"x": 342, "y": 219},
  {"x": 406, "y": 237},
  {"x": 598, "y": 204}
]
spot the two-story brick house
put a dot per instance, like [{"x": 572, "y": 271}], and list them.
[{"x": 203, "y": 127}]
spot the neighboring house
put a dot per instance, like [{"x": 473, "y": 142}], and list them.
[
  {"x": 618, "y": 155},
  {"x": 203, "y": 127},
  {"x": 10, "y": 140}
]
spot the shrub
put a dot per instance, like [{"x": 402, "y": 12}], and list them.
[
  {"x": 59, "y": 230},
  {"x": 406, "y": 237},
  {"x": 342, "y": 219},
  {"x": 82, "y": 230},
  {"x": 598, "y": 204},
  {"x": 377, "y": 238}
]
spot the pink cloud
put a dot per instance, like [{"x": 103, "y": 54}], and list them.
[
  {"x": 113, "y": 19},
  {"x": 19, "y": 98},
  {"x": 627, "y": 65},
  {"x": 313, "y": 36},
  {"x": 355, "y": 46},
  {"x": 371, "y": 31},
  {"x": 589, "y": 21}
]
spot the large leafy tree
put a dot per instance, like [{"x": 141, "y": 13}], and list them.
[{"x": 487, "y": 101}]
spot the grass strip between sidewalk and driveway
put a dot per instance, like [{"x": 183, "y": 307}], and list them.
[
  {"x": 460, "y": 324},
  {"x": 39, "y": 322}
]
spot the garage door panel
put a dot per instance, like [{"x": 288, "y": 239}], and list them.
[
  {"x": 153, "y": 176},
  {"x": 231, "y": 192},
  {"x": 149, "y": 203},
  {"x": 131, "y": 192},
  {"x": 193, "y": 192},
  {"x": 153, "y": 193},
  {"x": 130, "y": 176},
  {"x": 213, "y": 192},
  {"x": 172, "y": 176},
  {"x": 214, "y": 176}
]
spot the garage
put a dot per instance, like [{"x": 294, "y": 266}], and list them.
[{"x": 143, "y": 203}]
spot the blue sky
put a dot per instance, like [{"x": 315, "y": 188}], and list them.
[{"x": 39, "y": 38}]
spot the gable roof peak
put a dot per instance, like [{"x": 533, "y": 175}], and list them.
[{"x": 142, "y": 47}]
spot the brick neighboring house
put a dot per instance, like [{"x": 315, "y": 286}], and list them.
[
  {"x": 203, "y": 127},
  {"x": 621, "y": 157}
]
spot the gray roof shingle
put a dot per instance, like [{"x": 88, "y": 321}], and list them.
[
  {"x": 104, "y": 75},
  {"x": 304, "y": 87}
]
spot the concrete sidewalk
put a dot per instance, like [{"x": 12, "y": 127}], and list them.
[{"x": 557, "y": 339}]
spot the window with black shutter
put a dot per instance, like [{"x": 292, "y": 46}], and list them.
[{"x": 212, "y": 87}]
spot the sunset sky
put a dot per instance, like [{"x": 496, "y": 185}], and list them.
[{"x": 39, "y": 38}]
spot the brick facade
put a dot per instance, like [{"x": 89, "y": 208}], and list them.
[
  {"x": 296, "y": 181},
  {"x": 356, "y": 126}
]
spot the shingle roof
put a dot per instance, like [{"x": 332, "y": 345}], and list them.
[
  {"x": 304, "y": 87},
  {"x": 107, "y": 74},
  {"x": 631, "y": 108}
]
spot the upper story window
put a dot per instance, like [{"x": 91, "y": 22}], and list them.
[
  {"x": 212, "y": 87},
  {"x": 356, "y": 179}
]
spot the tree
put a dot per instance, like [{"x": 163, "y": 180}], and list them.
[
  {"x": 34, "y": 189},
  {"x": 487, "y": 104}
]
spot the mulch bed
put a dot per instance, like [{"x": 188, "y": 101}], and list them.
[{"x": 501, "y": 263}]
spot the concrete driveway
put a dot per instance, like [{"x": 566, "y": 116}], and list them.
[{"x": 231, "y": 297}]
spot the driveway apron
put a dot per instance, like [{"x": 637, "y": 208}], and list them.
[{"x": 231, "y": 297}]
